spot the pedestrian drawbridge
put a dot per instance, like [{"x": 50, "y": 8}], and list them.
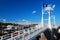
[{"x": 25, "y": 34}]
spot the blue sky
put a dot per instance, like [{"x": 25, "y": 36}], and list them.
[{"x": 16, "y": 10}]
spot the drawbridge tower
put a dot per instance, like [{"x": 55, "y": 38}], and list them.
[{"x": 48, "y": 9}]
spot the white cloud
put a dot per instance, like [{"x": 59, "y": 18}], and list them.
[
  {"x": 34, "y": 12},
  {"x": 4, "y": 19},
  {"x": 53, "y": 6},
  {"x": 23, "y": 20}
]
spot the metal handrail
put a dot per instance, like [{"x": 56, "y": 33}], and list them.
[{"x": 20, "y": 36}]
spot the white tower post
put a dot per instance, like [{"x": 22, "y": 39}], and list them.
[
  {"x": 42, "y": 17},
  {"x": 49, "y": 20}
]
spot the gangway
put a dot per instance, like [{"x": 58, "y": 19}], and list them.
[{"x": 26, "y": 35}]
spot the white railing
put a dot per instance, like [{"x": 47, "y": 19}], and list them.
[{"x": 25, "y": 35}]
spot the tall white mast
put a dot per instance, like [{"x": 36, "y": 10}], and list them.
[
  {"x": 49, "y": 19},
  {"x": 42, "y": 17}
]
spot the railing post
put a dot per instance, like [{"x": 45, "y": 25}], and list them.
[
  {"x": 18, "y": 34},
  {"x": 23, "y": 34},
  {"x": 12, "y": 36}
]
